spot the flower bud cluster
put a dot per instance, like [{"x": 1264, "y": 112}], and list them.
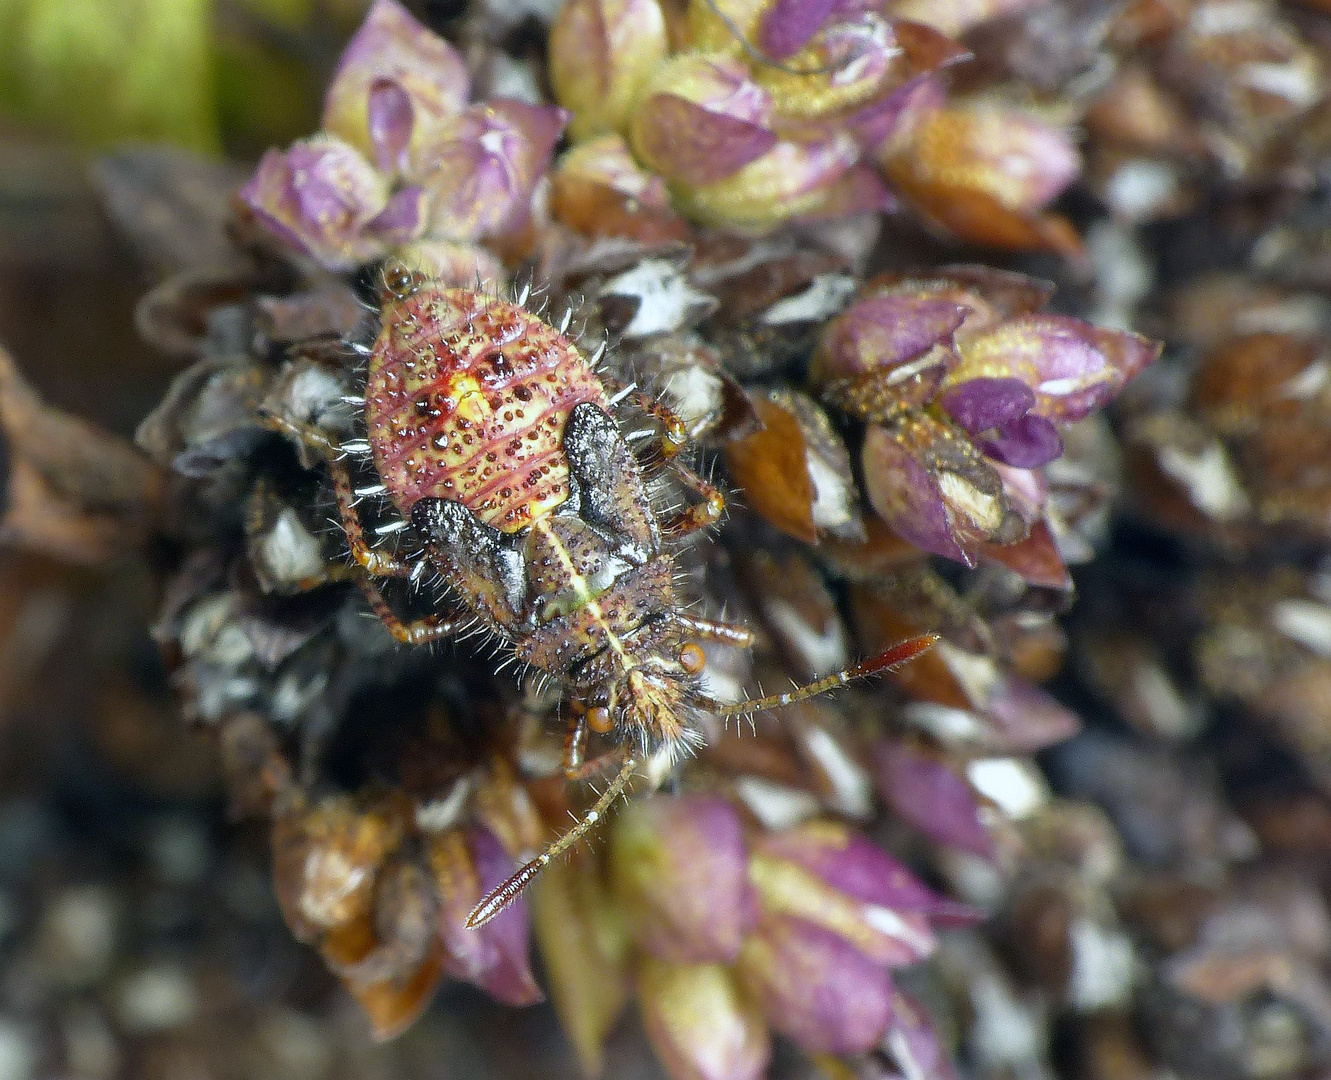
[
  {"x": 739, "y": 934},
  {"x": 967, "y": 386},
  {"x": 402, "y": 159},
  {"x": 756, "y": 114}
]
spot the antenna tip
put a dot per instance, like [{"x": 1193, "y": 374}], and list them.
[{"x": 901, "y": 653}]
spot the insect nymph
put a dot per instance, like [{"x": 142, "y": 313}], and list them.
[{"x": 496, "y": 440}]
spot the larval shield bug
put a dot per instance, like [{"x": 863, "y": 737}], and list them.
[{"x": 496, "y": 441}]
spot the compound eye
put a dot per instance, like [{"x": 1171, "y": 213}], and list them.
[
  {"x": 692, "y": 659},
  {"x": 398, "y": 280},
  {"x": 600, "y": 720}
]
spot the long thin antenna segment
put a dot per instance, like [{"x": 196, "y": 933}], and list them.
[
  {"x": 505, "y": 894},
  {"x": 895, "y": 657}
]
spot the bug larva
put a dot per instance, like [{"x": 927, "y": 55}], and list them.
[{"x": 495, "y": 439}]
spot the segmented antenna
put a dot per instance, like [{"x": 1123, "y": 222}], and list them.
[
  {"x": 895, "y": 657},
  {"x": 505, "y": 894}
]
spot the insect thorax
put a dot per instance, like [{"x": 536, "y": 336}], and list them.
[{"x": 467, "y": 398}]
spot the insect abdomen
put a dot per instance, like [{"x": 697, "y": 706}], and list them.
[{"x": 467, "y": 399}]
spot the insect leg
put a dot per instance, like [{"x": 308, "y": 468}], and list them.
[
  {"x": 701, "y": 515},
  {"x": 505, "y": 894},
  {"x": 674, "y": 435},
  {"x": 378, "y": 563},
  {"x": 375, "y": 562},
  {"x": 416, "y": 632}
]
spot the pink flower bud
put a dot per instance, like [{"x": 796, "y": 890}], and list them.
[
  {"x": 925, "y": 791},
  {"x": 495, "y": 956},
  {"x": 322, "y": 198},
  {"x": 815, "y": 987},
  {"x": 855, "y": 866},
  {"x": 790, "y": 180},
  {"x": 395, "y": 81},
  {"x": 985, "y": 171},
  {"x": 1072, "y": 367},
  {"x": 602, "y": 52},
  {"x": 700, "y": 1025},
  {"x": 883, "y": 934},
  {"x": 926, "y": 480},
  {"x": 479, "y": 168},
  {"x": 679, "y": 866},
  {"x": 897, "y": 337},
  {"x": 701, "y": 119}
]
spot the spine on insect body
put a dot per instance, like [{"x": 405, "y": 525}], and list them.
[{"x": 466, "y": 400}]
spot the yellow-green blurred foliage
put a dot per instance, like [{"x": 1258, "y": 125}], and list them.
[{"x": 199, "y": 73}]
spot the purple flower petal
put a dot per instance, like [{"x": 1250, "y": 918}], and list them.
[
  {"x": 984, "y": 403},
  {"x": 690, "y": 144},
  {"x": 883, "y": 332},
  {"x": 787, "y": 25},
  {"x": 389, "y": 118},
  {"x": 907, "y": 496},
  {"x": 703, "y": 118},
  {"x": 885, "y": 935},
  {"x": 816, "y": 989},
  {"x": 392, "y": 48},
  {"x": 402, "y": 219},
  {"x": 480, "y": 168},
  {"x": 679, "y": 866},
  {"x": 1026, "y": 443},
  {"x": 1027, "y": 718},
  {"x": 494, "y": 957},
  {"x": 928, "y": 794},
  {"x": 319, "y": 196},
  {"x": 851, "y": 864}
]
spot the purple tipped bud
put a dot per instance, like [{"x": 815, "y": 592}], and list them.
[
  {"x": 790, "y": 180},
  {"x": 929, "y": 794},
  {"x": 1073, "y": 367},
  {"x": 700, "y": 1025},
  {"x": 320, "y": 197},
  {"x": 495, "y": 956},
  {"x": 815, "y": 987},
  {"x": 396, "y": 79},
  {"x": 885, "y": 935},
  {"x": 480, "y": 167},
  {"x": 855, "y": 866},
  {"x": 926, "y": 480},
  {"x": 679, "y": 867},
  {"x": 895, "y": 336},
  {"x": 702, "y": 119}
]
